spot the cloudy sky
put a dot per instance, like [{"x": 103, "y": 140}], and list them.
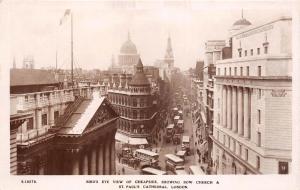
[{"x": 101, "y": 28}]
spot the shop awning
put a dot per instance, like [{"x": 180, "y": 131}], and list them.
[{"x": 133, "y": 141}]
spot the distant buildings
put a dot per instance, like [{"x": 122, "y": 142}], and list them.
[{"x": 252, "y": 101}]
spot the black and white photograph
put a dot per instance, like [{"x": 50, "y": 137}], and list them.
[{"x": 149, "y": 88}]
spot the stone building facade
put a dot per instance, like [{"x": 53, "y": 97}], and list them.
[
  {"x": 134, "y": 101},
  {"x": 253, "y": 100},
  {"x": 62, "y": 132}
]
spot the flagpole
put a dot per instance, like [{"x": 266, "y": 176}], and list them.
[{"x": 72, "y": 77}]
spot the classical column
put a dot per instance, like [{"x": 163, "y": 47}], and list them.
[
  {"x": 228, "y": 107},
  {"x": 51, "y": 115},
  {"x": 234, "y": 109},
  {"x": 100, "y": 159},
  {"x": 85, "y": 164},
  {"x": 38, "y": 123},
  {"x": 240, "y": 111},
  {"x": 224, "y": 104},
  {"x": 107, "y": 157},
  {"x": 113, "y": 157},
  {"x": 41, "y": 166},
  {"x": 246, "y": 113},
  {"x": 93, "y": 160},
  {"x": 75, "y": 163}
]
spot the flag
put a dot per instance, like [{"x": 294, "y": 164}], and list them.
[{"x": 67, "y": 12}]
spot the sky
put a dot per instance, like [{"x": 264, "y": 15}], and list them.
[{"x": 100, "y": 29}]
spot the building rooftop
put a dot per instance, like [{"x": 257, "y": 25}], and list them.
[
  {"x": 139, "y": 78},
  {"x": 82, "y": 116},
  {"x": 20, "y": 77}
]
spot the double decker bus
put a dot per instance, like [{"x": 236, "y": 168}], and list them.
[
  {"x": 152, "y": 171},
  {"x": 147, "y": 156},
  {"x": 170, "y": 132},
  {"x": 195, "y": 170},
  {"x": 174, "y": 163}
]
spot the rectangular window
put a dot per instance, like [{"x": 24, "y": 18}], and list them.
[
  {"x": 251, "y": 52},
  {"x": 134, "y": 102},
  {"x": 246, "y": 154},
  {"x": 259, "y": 71},
  {"x": 218, "y": 102},
  {"x": 225, "y": 71},
  {"x": 224, "y": 139},
  {"x": 229, "y": 71},
  {"x": 240, "y": 53},
  {"x": 235, "y": 71},
  {"x": 228, "y": 142},
  {"x": 266, "y": 49},
  {"x": 219, "y": 71},
  {"x": 241, "y": 69},
  {"x": 44, "y": 119},
  {"x": 29, "y": 124},
  {"x": 283, "y": 167},
  {"x": 245, "y": 53},
  {"x": 257, "y": 162},
  {"x": 258, "y": 51},
  {"x": 258, "y": 116},
  {"x": 258, "y": 139},
  {"x": 56, "y": 115},
  {"x": 248, "y": 70},
  {"x": 218, "y": 135}
]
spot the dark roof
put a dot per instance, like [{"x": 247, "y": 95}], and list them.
[
  {"x": 242, "y": 22},
  {"x": 21, "y": 77},
  {"x": 139, "y": 79}
]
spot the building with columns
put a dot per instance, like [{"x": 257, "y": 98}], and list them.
[
  {"x": 134, "y": 102},
  {"x": 127, "y": 58},
  {"x": 62, "y": 131},
  {"x": 252, "y": 101}
]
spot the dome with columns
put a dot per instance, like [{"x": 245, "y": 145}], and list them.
[{"x": 128, "y": 47}]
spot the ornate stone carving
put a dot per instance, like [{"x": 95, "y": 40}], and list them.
[{"x": 278, "y": 93}]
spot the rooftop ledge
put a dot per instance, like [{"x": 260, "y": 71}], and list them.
[
  {"x": 254, "y": 58},
  {"x": 255, "y": 77}
]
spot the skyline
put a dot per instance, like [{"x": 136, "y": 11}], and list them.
[{"x": 100, "y": 32}]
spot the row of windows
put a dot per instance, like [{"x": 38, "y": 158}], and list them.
[
  {"x": 241, "y": 71},
  {"x": 30, "y": 124},
  {"x": 134, "y": 114},
  {"x": 266, "y": 50},
  {"x": 132, "y": 128},
  {"x": 227, "y": 142},
  {"x": 129, "y": 101}
]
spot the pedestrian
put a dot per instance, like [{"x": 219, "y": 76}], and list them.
[{"x": 123, "y": 170}]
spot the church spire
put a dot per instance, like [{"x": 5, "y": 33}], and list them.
[
  {"x": 128, "y": 36},
  {"x": 169, "y": 50},
  {"x": 242, "y": 13}
]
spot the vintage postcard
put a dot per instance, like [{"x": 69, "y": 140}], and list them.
[{"x": 149, "y": 94}]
